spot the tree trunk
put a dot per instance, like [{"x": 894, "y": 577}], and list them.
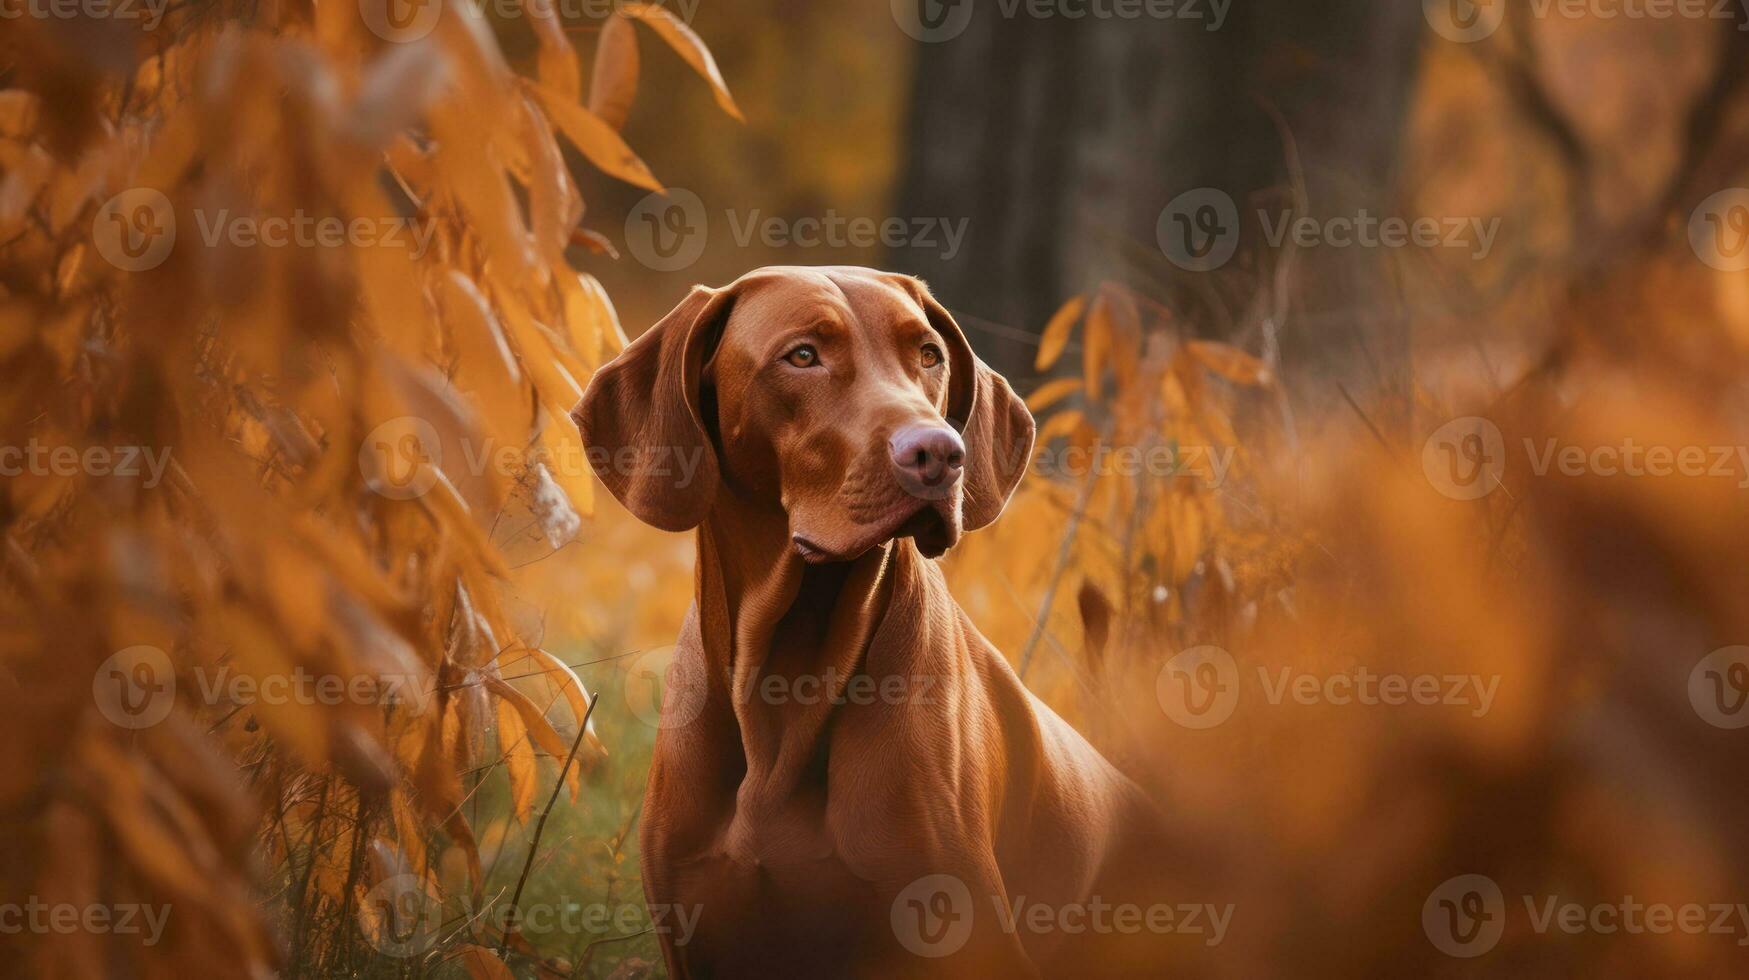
[{"x": 1061, "y": 141}]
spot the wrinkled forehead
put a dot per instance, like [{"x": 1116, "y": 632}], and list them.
[{"x": 774, "y": 300}]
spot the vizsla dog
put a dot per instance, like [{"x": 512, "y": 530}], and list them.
[{"x": 858, "y": 784}]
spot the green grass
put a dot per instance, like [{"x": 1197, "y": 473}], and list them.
[{"x": 585, "y": 877}]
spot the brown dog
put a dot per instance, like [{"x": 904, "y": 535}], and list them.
[{"x": 849, "y": 780}]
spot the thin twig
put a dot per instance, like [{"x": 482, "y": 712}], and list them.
[
  {"x": 1385, "y": 443},
  {"x": 589, "y": 950},
  {"x": 541, "y": 825}
]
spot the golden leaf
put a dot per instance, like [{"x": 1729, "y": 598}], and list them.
[
  {"x": 688, "y": 45},
  {"x": 1096, "y": 346},
  {"x": 613, "y": 81},
  {"x": 595, "y": 139},
  {"x": 1056, "y": 333},
  {"x": 518, "y": 752},
  {"x": 1051, "y": 392}
]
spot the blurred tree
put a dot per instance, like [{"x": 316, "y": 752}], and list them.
[{"x": 1063, "y": 139}]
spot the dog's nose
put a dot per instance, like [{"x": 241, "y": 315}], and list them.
[{"x": 927, "y": 455}]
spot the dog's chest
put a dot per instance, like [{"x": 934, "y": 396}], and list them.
[{"x": 775, "y": 890}]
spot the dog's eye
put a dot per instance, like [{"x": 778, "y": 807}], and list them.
[
  {"x": 803, "y": 356},
  {"x": 931, "y": 355}
]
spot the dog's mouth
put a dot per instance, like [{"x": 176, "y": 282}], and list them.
[{"x": 927, "y": 525}]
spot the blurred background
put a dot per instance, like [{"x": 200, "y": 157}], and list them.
[{"x": 1387, "y": 520}]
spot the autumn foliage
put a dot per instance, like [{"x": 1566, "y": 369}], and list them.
[
  {"x": 364, "y": 446},
  {"x": 295, "y": 531}
]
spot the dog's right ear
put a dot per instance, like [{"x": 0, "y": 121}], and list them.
[{"x": 640, "y": 418}]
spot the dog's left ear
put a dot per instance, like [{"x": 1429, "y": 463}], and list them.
[
  {"x": 994, "y": 422},
  {"x": 642, "y": 417}
]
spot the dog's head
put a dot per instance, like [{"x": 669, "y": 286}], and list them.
[{"x": 847, "y": 397}]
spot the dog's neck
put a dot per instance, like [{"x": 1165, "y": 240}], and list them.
[{"x": 782, "y": 637}]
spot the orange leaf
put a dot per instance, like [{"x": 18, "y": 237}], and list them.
[
  {"x": 690, "y": 48},
  {"x": 595, "y": 139},
  {"x": 1056, "y": 334},
  {"x": 1051, "y": 392},
  {"x": 518, "y": 752},
  {"x": 1096, "y": 341},
  {"x": 613, "y": 81}
]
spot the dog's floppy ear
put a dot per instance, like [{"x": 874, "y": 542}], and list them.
[
  {"x": 641, "y": 421},
  {"x": 994, "y": 422}
]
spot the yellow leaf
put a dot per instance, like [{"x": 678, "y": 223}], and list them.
[
  {"x": 613, "y": 335},
  {"x": 1173, "y": 396},
  {"x": 577, "y": 696},
  {"x": 562, "y": 447},
  {"x": 1060, "y": 424},
  {"x": 556, "y": 63},
  {"x": 543, "y": 359},
  {"x": 1051, "y": 392},
  {"x": 1096, "y": 345},
  {"x": 540, "y": 731},
  {"x": 613, "y": 81},
  {"x": 690, "y": 48},
  {"x": 485, "y": 365},
  {"x": 1056, "y": 335},
  {"x": 595, "y": 139},
  {"x": 518, "y": 753},
  {"x": 555, "y": 207},
  {"x": 534, "y": 721},
  {"x": 1186, "y": 528}
]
